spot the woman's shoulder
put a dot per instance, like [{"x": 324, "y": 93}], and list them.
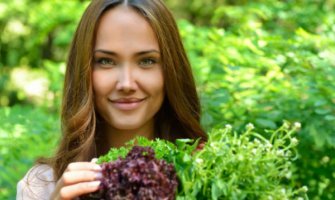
[{"x": 38, "y": 183}]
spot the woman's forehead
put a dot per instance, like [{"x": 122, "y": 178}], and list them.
[{"x": 124, "y": 29}]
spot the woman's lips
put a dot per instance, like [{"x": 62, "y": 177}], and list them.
[{"x": 127, "y": 103}]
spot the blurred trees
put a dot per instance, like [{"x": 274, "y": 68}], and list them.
[
  {"x": 261, "y": 61},
  {"x": 35, "y": 36}
]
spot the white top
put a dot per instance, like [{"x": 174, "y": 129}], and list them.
[{"x": 38, "y": 183}]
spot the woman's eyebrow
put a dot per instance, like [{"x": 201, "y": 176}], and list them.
[
  {"x": 147, "y": 52},
  {"x": 112, "y": 53}
]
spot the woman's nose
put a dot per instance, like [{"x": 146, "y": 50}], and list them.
[{"x": 126, "y": 79}]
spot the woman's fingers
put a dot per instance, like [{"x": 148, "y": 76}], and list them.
[
  {"x": 72, "y": 191},
  {"x": 83, "y": 166},
  {"x": 81, "y": 172},
  {"x": 79, "y": 178},
  {"x": 72, "y": 177}
]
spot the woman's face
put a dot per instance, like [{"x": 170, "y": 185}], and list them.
[{"x": 127, "y": 75}]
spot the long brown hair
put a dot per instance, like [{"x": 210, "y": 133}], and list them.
[{"x": 179, "y": 116}]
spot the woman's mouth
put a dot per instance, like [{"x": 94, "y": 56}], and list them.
[{"x": 127, "y": 104}]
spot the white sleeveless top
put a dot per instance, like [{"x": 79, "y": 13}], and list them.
[{"x": 38, "y": 183}]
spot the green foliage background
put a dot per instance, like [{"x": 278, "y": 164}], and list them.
[{"x": 261, "y": 61}]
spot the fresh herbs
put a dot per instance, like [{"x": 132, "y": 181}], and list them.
[{"x": 230, "y": 165}]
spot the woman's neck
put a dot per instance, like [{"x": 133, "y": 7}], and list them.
[{"x": 110, "y": 137}]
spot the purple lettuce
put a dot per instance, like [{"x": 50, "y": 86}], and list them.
[{"x": 138, "y": 176}]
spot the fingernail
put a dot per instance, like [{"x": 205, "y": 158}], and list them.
[
  {"x": 94, "y": 183},
  {"x": 98, "y": 176},
  {"x": 97, "y": 167}
]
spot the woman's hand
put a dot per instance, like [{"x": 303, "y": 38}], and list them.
[{"x": 79, "y": 178}]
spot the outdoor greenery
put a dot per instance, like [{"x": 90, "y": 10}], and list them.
[{"x": 261, "y": 62}]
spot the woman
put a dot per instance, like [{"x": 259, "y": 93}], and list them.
[{"x": 127, "y": 75}]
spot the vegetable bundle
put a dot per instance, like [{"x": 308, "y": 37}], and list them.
[
  {"x": 229, "y": 166},
  {"x": 139, "y": 176}
]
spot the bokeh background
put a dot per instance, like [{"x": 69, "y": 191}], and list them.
[{"x": 261, "y": 61}]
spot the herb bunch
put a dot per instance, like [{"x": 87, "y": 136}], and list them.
[{"x": 230, "y": 165}]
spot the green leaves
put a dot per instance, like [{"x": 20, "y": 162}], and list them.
[
  {"x": 231, "y": 165},
  {"x": 281, "y": 69},
  {"x": 26, "y": 133}
]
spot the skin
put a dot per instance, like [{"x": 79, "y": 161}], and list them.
[
  {"x": 128, "y": 87},
  {"x": 127, "y": 76},
  {"x": 79, "y": 178}
]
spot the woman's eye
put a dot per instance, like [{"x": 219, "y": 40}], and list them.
[
  {"x": 147, "y": 61},
  {"x": 105, "y": 61}
]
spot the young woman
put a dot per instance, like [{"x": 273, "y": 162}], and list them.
[{"x": 127, "y": 75}]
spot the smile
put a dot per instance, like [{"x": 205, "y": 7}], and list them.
[{"x": 127, "y": 104}]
